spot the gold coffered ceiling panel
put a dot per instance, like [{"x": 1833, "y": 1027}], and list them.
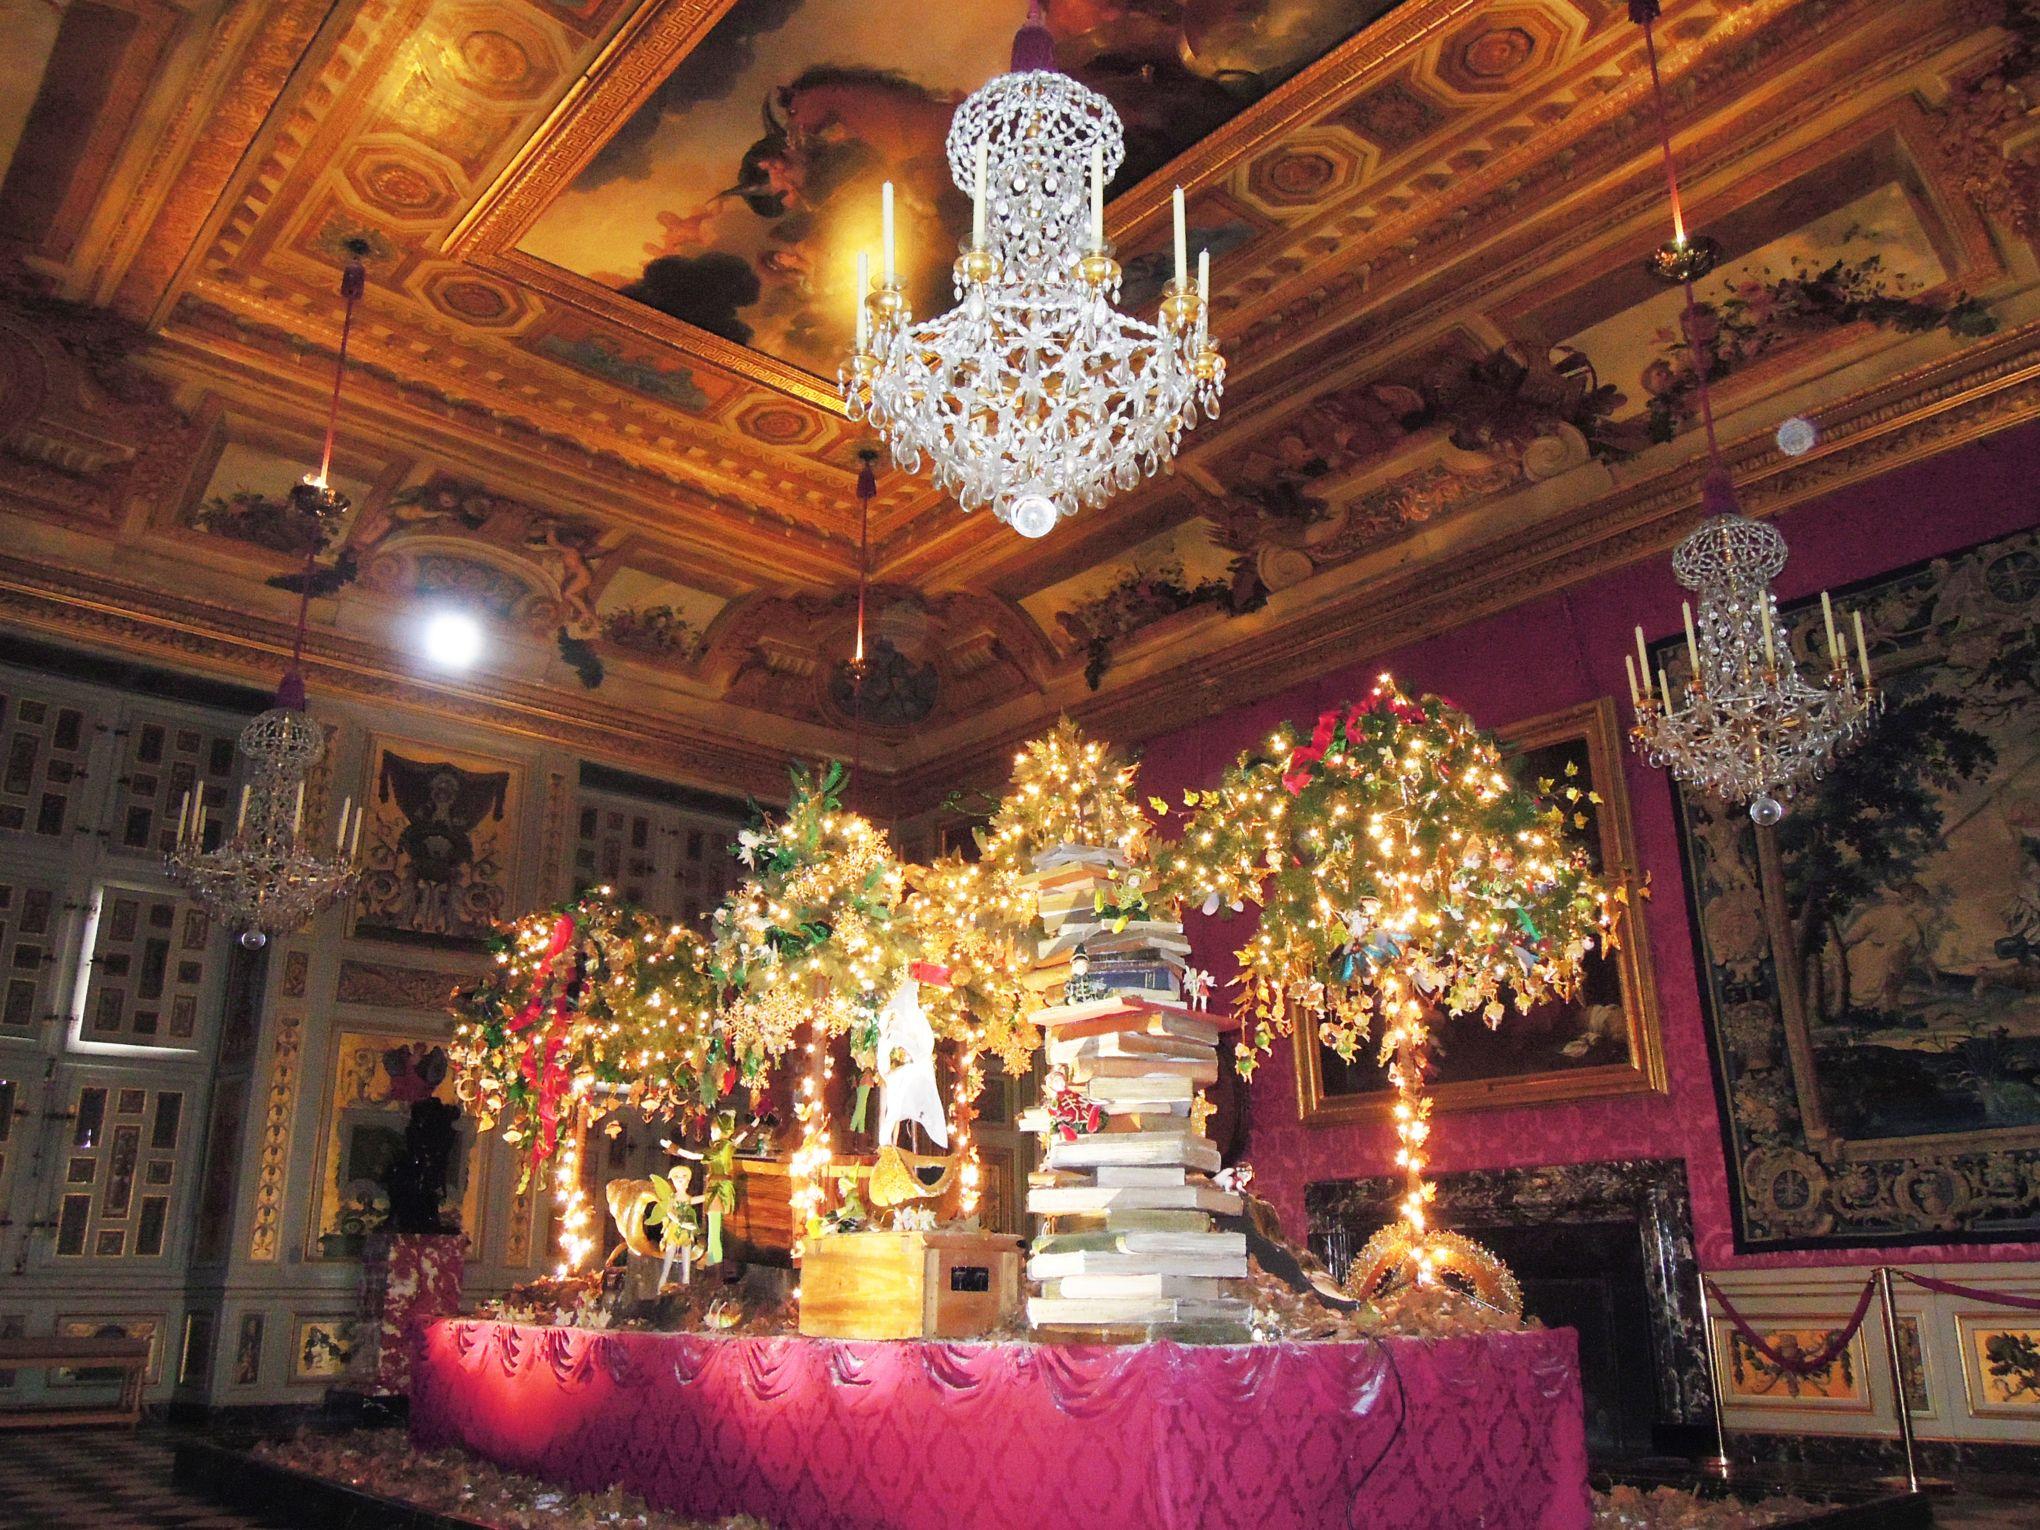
[{"x": 606, "y": 246}]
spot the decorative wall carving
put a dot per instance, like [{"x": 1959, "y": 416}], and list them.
[
  {"x": 385, "y": 985},
  {"x": 273, "y": 1157}
]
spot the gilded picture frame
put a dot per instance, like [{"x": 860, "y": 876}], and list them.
[{"x": 1613, "y": 1027}]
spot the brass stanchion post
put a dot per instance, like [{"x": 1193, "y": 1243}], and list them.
[
  {"x": 1718, "y": 1464},
  {"x": 1905, "y": 1426}
]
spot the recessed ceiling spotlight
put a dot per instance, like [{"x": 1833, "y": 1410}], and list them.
[
  {"x": 1796, "y": 437},
  {"x": 452, "y": 639}
]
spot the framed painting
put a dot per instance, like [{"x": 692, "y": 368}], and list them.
[
  {"x": 1870, "y": 967},
  {"x": 436, "y": 846},
  {"x": 377, "y": 1077},
  {"x": 150, "y": 1328},
  {"x": 1605, "y": 1040},
  {"x": 321, "y": 1349},
  {"x": 2001, "y": 1364},
  {"x": 1750, "y": 1380}
]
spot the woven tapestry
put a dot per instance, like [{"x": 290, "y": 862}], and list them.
[{"x": 1870, "y": 968}]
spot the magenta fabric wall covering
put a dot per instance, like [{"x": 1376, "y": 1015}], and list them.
[
  {"x": 1556, "y": 652},
  {"x": 1400, "y": 1434}
]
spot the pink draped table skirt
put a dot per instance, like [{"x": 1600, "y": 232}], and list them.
[{"x": 1399, "y": 1434}]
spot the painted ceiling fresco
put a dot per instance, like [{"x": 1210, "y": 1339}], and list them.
[
  {"x": 1450, "y": 384},
  {"x": 738, "y": 196}
]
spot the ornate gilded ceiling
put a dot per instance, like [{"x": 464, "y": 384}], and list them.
[{"x": 592, "y": 398}]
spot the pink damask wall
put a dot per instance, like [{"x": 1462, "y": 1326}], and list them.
[{"x": 1554, "y": 653}]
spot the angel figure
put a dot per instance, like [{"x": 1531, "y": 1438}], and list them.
[{"x": 1197, "y": 988}]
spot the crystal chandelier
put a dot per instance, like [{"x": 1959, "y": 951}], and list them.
[
  {"x": 1748, "y": 728},
  {"x": 267, "y": 877},
  {"x": 1034, "y": 395}
]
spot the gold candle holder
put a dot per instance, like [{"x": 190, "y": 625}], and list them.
[
  {"x": 974, "y": 268},
  {"x": 888, "y": 302},
  {"x": 1182, "y": 308},
  {"x": 1098, "y": 271}
]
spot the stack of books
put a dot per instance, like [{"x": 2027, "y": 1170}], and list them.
[{"x": 1127, "y": 1242}]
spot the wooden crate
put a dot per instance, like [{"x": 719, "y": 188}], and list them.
[{"x": 908, "y": 1285}]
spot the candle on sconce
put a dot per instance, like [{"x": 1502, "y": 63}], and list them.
[
  {"x": 978, "y": 203},
  {"x": 1182, "y": 239},
  {"x": 1862, "y": 648},
  {"x": 863, "y": 311},
  {"x": 885, "y": 215}
]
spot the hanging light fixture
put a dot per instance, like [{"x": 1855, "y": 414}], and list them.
[
  {"x": 1748, "y": 728},
  {"x": 266, "y": 877},
  {"x": 1034, "y": 395}
]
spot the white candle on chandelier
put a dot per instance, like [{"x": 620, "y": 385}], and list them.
[
  {"x": 1770, "y": 648},
  {"x": 1642, "y": 663},
  {"x": 863, "y": 291},
  {"x": 297, "y": 811},
  {"x": 241, "y": 815},
  {"x": 1182, "y": 240},
  {"x": 885, "y": 216},
  {"x": 1629, "y": 669},
  {"x": 1827, "y": 616},
  {"x": 340, "y": 836},
  {"x": 183, "y": 814},
  {"x": 198, "y": 814},
  {"x": 1692, "y": 646},
  {"x": 354, "y": 843},
  {"x": 1097, "y": 196},
  {"x": 1862, "y": 648},
  {"x": 1664, "y": 690},
  {"x": 978, "y": 202}
]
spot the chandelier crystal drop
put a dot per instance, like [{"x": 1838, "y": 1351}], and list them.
[
  {"x": 1034, "y": 395},
  {"x": 267, "y": 877},
  {"x": 1748, "y": 728}
]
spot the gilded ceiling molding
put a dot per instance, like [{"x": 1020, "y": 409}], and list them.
[
  {"x": 1991, "y": 387},
  {"x": 787, "y": 544},
  {"x": 684, "y": 746}
]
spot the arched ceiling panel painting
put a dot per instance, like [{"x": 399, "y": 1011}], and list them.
[{"x": 736, "y": 195}]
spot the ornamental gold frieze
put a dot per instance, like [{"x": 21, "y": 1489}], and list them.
[
  {"x": 734, "y": 521},
  {"x": 1993, "y": 387},
  {"x": 687, "y": 743}
]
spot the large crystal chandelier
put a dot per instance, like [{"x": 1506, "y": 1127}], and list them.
[
  {"x": 267, "y": 876},
  {"x": 1034, "y": 395},
  {"x": 1749, "y": 728}
]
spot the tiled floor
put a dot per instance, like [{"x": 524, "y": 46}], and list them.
[
  {"x": 110, "y": 1480},
  {"x": 104, "y": 1479}
]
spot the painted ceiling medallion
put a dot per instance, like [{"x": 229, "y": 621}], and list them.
[{"x": 1034, "y": 395}]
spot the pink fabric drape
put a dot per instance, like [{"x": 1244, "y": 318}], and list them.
[{"x": 1402, "y": 1434}]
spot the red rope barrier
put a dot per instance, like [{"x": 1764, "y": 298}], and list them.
[
  {"x": 1972, "y": 1293},
  {"x": 1797, "y": 1365}
]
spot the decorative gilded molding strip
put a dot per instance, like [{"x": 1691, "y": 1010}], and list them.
[
  {"x": 386, "y": 985},
  {"x": 266, "y": 1236}
]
